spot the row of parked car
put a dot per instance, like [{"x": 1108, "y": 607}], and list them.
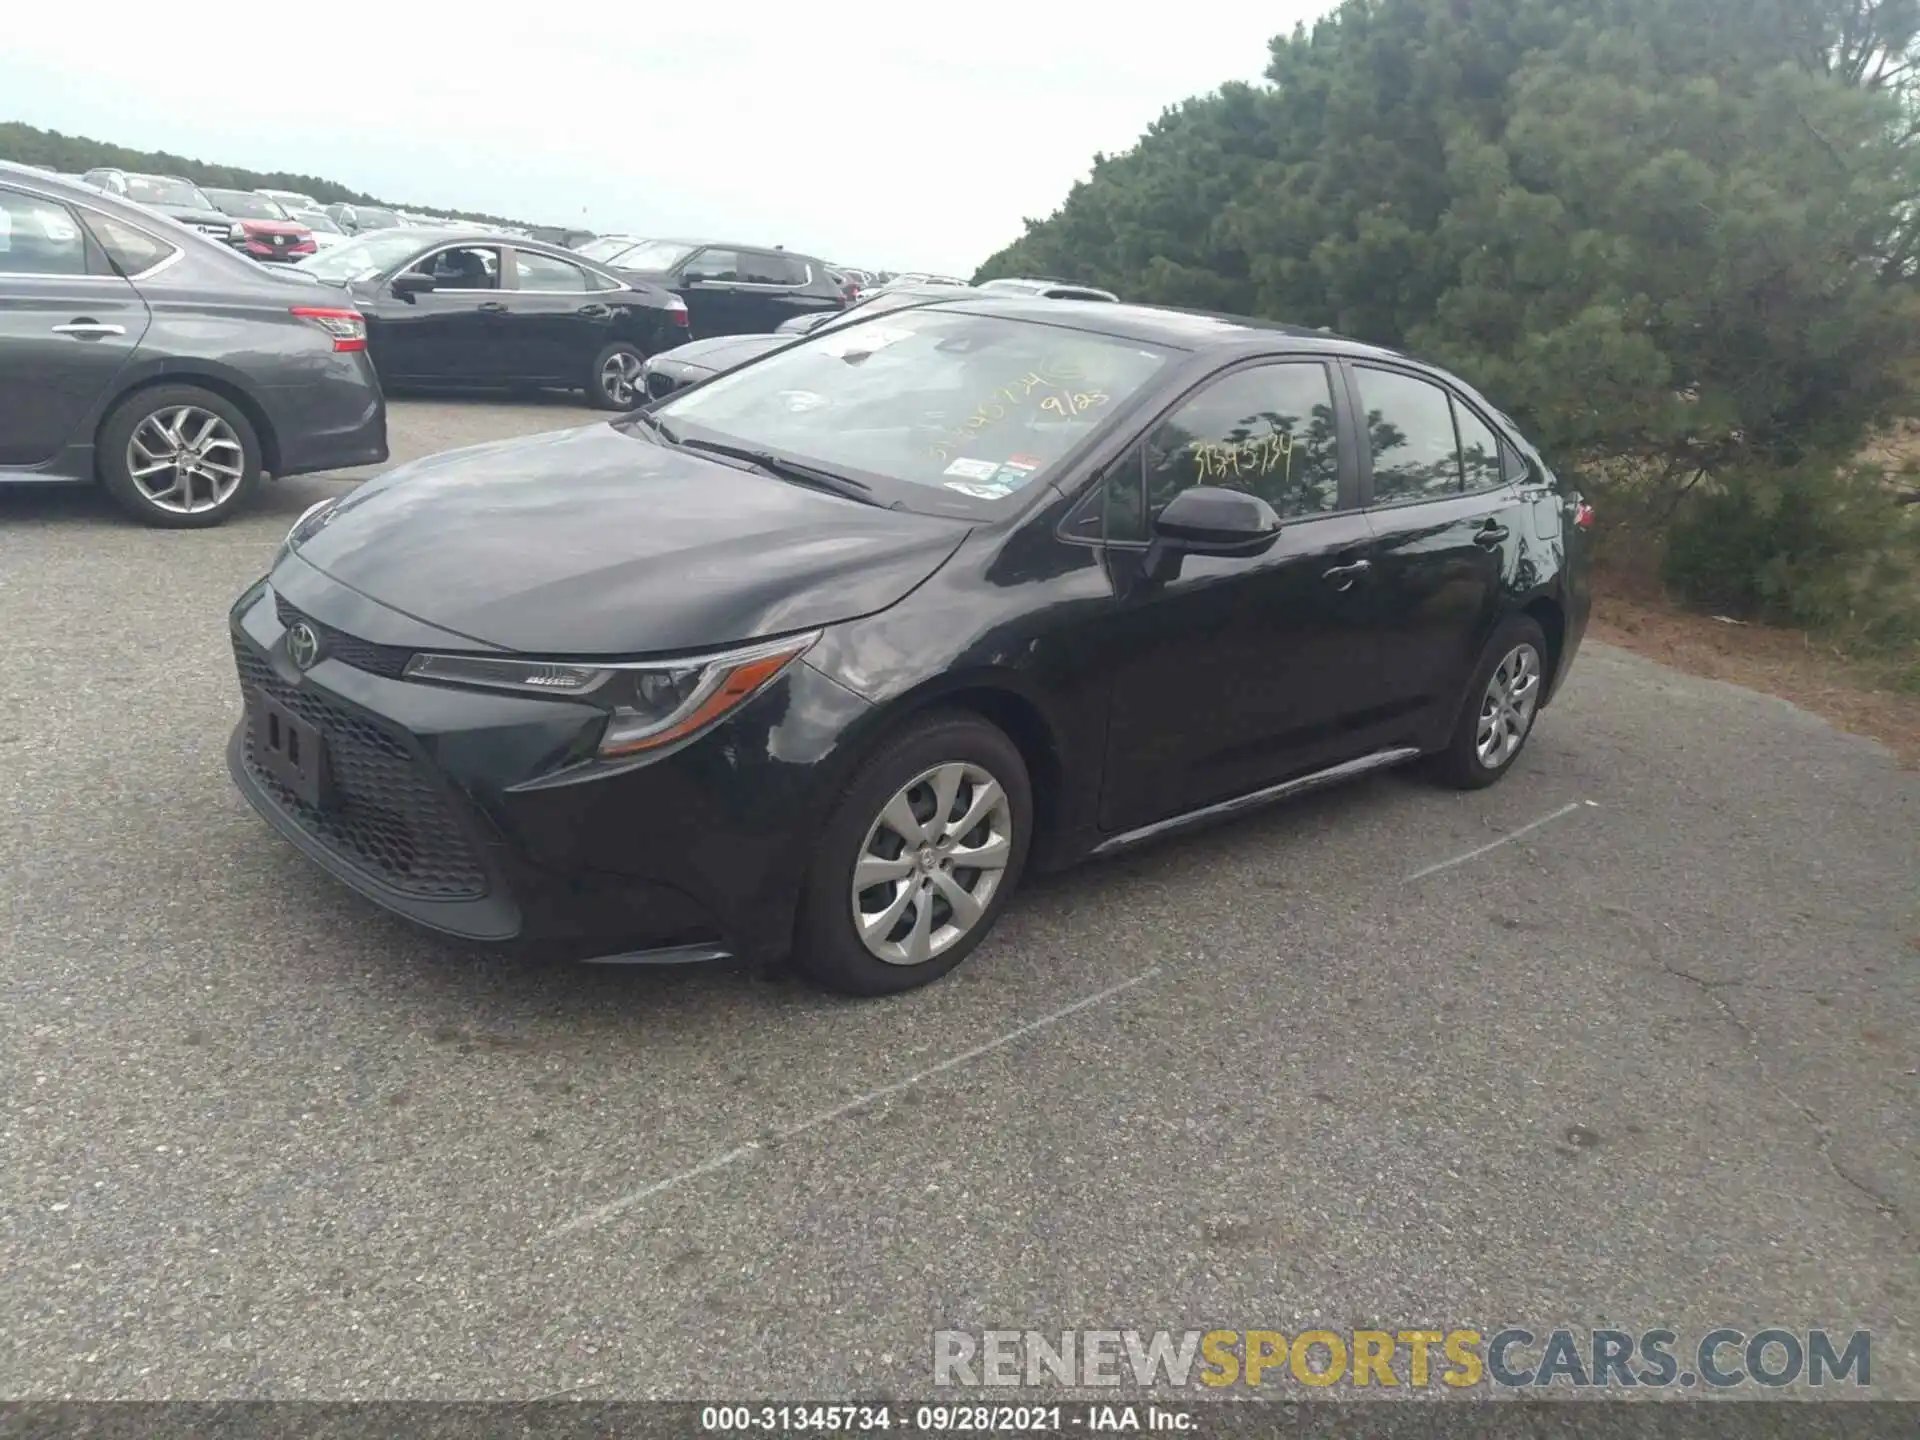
[{"x": 138, "y": 348}]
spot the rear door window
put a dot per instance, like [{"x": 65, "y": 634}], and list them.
[
  {"x": 1409, "y": 425},
  {"x": 39, "y": 237},
  {"x": 759, "y": 267},
  {"x": 723, "y": 266},
  {"x": 534, "y": 271},
  {"x": 132, "y": 250}
]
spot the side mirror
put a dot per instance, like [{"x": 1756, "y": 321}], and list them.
[
  {"x": 1209, "y": 521},
  {"x": 410, "y": 283}
]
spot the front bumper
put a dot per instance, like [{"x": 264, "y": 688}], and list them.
[{"x": 481, "y": 816}]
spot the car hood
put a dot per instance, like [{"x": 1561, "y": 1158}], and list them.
[
  {"x": 274, "y": 227},
  {"x": 721, "y": 352},
  {"x": 601, "y": 542}
]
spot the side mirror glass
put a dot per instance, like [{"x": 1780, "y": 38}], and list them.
[{"x": 410, "y": 283}]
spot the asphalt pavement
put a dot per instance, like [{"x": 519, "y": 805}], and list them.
[{"x": 1629, "y": 1039}]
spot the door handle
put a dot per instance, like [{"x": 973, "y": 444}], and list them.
[
  {"x": 596, "y": 312},
  {"x": 1341, "y": 577},
  {"x": 1491, "y": 534},
  {"x": 492, "y": 307},
  {"x": 89, "y": 329}
]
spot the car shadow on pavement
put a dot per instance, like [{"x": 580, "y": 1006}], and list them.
[{"x": 520, "y": 988}]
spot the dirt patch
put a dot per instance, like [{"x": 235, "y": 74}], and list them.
[{"x": 1787, "y": 663}]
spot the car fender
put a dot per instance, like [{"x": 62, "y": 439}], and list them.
[{"x": 141, "y": 373}]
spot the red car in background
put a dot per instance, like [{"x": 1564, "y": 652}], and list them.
[{"x": 261, "y": 228}]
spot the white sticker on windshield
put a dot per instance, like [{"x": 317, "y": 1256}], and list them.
[
  {"x": 973, "y": 469},
  {"x": 979, "y": 492}
]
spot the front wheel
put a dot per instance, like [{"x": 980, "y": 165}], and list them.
[
  {"x": 918, "y": 859},
  {"x": 178, "y": 457},
  {"x": 616, "y": 380},
  {"x": 1502, "y": 700}
]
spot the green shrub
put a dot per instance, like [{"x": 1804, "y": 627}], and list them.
[{"x": 1822, "y": 548}]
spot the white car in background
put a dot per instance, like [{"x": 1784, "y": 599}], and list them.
[
  {"x": 326, "y": 234},
  {"x": 290, "y": 199}
]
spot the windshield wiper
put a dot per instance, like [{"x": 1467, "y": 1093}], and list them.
[
  {"x": 658, "y": 427},
  {"x": 830, "y": 481}
]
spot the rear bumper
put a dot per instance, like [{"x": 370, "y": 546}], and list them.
[{"x": 334, "y": 421}]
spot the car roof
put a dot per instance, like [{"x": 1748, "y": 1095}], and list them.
[
  {"x": 738, "y": 245},
  {"x": 428, "y": 236},
  {"x": 1152, "y": 324}
]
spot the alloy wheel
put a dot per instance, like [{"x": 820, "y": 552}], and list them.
[
  {"x": 620, "y": 377},
  {"x": 1506, "y": 710},
  {"x": 932, "y": 863},
  {"x": 185, "y": 460}
]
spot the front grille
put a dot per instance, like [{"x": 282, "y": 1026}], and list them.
[
  {"x": 660, "y": 386},
  {"x": 388, "y": 660},
  {"x": 391, "y": 818}
]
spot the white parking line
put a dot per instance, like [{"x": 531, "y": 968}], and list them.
[
  {"x": 1510, "y": 836},
  {"x": 720, "y": 1162}
]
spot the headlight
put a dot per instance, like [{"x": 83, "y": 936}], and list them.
[
  {"x": 236, "y": 231},
  {"x": 650, "y": 704},
  {"x": 311, "y": 519}
]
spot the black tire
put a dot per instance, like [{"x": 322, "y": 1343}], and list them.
[
  {"x": 827, "y": 946},
  {"x": 1462, "y": 764},
  {"x": 116, "y": 433},
  {"x": 604, "y": 390}
]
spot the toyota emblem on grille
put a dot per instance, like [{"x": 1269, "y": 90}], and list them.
[{"x": 303, "y": 646}]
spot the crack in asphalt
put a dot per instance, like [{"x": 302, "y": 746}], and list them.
[{"x": 1822, "y": 1136}]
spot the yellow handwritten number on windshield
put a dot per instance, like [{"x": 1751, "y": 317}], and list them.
[{"x": 1245, "y": 457}]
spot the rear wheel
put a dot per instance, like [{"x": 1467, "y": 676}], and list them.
[
  {"x": 918, "y": 860},
  {"x": 178, "y": 457},
  {"x": 616, "y": 381},
  {"x": 1503, "y": 700}
]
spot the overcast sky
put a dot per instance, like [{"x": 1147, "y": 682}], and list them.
[{"x": 889, "y": 135}]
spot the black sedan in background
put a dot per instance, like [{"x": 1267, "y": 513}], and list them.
[
  {"x": 464, "y": 309},
  {"x": 162, "y": 364},
  {"x": 733, "y": 289},
  {"x": 699, "y": 360},
  {"x": 818, "y": 657}
]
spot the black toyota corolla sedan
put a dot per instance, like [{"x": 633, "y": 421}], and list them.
[
  {"x": 819, "y": 657},
  {"x": 467, "y": 310}
]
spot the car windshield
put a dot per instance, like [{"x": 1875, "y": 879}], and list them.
[
  {"x": 151, "y": 190},
  {"x": 366, "y": 257},
  {"x": 606, "y": 247},
  {"x": 375, "y": 219},
  {"x": 650, "y": 255},
  {"x": 246, "y": 206},
  {"x": 939, "y": 411},
  {"x": 317, "y": 220}
]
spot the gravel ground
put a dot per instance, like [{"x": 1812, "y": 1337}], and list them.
[{"x": 1364, "y": 1059}]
